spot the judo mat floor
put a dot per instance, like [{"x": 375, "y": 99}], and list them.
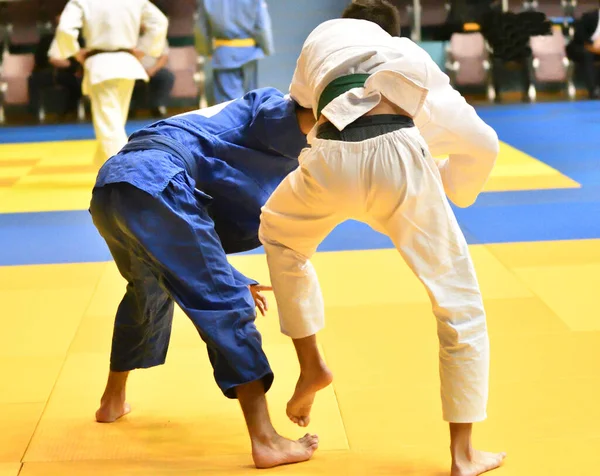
[{"x": 535, "y": 240}]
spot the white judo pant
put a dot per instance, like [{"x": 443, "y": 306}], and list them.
[
  {"x": 110, "y": 107},
  {"x": 392, "y": 183}
]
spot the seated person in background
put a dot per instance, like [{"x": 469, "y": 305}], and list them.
[
  {"x": 156, "y": 92},
  {"x": 522, "y": 63},
  {"x": 584, "y": 49},
  {"x": 508, "y": 35},
  {"x": 49, "y": 72}
]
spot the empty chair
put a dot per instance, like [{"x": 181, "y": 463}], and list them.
[
  {"x": 550, "y": 61},
  {"x": 552, "y": 8},
  {"x": 14, "y": 77},
  {"x": 181, "y": 14},
  {"x": 468, "y": 62},
  {"x": 183, "y": 62},
  {"x": 52, "y": 9},
  {"x": 583, "y": 6},
  {"x": 22, "y": 18},
  {"x": 405, "y": 7},
  {"x": 434, "y": 12}
]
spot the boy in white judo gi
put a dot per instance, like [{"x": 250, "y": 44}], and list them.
[
  {"x": 370, "y": 163},
  {"x": 111, "y": 58}
]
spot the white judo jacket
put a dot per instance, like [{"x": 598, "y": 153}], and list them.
[
  {"x": 407, "y": 76},
  {"x": 111, "y": 25}
]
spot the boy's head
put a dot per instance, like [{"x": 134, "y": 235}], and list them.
[{"x": 381, "y": 12}]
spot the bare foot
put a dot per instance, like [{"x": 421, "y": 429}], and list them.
[
  {"x": 480, "y": 462},
  {"x": 111, "y": 409},
  {"x": 283, "y": 451},
  {"x": 310, "y": 382}
]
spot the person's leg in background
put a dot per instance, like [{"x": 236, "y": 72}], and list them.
[
  {"x": 527, "y": 76},
  {"x": 497, "y": 73},
  {"x": 139, "y": 98},
  {"x": 228, "y": 84},
  {"x": 38, "y": 81},
  {"x": 110, "y": 106},
  {"x": 586, "y": 61},
  {"x": 589, "y": 63},
  {"x": 160, "y": 87},
  {"x": 250, "y": 76},
  {"x": 72, "y": 85}
]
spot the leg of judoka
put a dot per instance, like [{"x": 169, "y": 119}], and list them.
[
  {"x": 194, "y": 271},
  {"x": 314, "y": 376},
  {"x": 268, "y": 448},
  {"x": 143, "y": 322},
  {"x": 467, "y": 461},
  {"x": 298, "y": 216},
  {"x": 425, "y": 231},
  {"x": 110, "y": 105},
  {"x": 228, "y": 84},
  {"x": 112, "y": 404}
]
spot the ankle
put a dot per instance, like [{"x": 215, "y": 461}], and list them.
[
  {"x": 461, "y": 453},
  {"x": 112, "y": 395},
  {"x": 264, "y": 437},
  {"x": 460, "y": 440}
]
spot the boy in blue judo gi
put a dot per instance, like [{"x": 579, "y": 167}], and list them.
[
  {"x": 238, "y": 34},
  {"x": 180, "y": 195}
]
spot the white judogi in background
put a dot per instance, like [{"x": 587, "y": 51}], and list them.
[
  {"x": 111, "y": 25},
  {"x": 392, "y": 183}
]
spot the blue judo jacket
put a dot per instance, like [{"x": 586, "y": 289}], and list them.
[
  {"x": 241, "y": 150},
  {"x": 236, "y": 20}
]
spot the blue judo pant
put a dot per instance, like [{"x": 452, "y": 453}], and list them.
[
  {"x": 167, "y": 249},
  {"x": 233, "y": 83}
]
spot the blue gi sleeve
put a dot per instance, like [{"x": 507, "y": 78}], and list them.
[
  {"x": 240, "y": 278},
  {"x": 275, "y": 125},
  {"x": 264, "y": 33},
  {"x": 205, "y": 29}
]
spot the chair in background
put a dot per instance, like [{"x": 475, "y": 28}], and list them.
[
  {"x": 186, "y": 65},
  {"x": 550, "y": 61},
  {"x": 14, "y": 76},
  {"x": 468, "y": 62}
]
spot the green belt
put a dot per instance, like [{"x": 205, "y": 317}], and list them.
[{"x": 339, "y": 86}]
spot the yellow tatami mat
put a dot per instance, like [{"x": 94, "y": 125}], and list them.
[
  {"x": 9, "y": 469},
  {"x": 48, "y": 176},
  {"x": 382, "y": 415}
]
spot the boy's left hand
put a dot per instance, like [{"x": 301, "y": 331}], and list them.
[{"x": 259, "y": 300}]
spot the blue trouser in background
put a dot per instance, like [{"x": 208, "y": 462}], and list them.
[
  {"x": 233, "y": 83},
  {"x": 167, "y": 249}
]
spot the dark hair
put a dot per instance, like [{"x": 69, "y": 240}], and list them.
[{"x": 381, "y": 12}]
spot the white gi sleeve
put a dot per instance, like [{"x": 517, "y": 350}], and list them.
[
  {"x": 67, "y": 31},
  {"x": 156, "y": 25},
  {"x": 454, "y": 128}
]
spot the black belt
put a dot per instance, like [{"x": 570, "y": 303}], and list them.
[
  {"x": 365, "y": 127},
  {"x": 91, "y": 53},
  {"x": 166, "y": 144}
]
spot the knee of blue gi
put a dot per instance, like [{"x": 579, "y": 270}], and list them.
[{"x": 235, "y": 350}]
